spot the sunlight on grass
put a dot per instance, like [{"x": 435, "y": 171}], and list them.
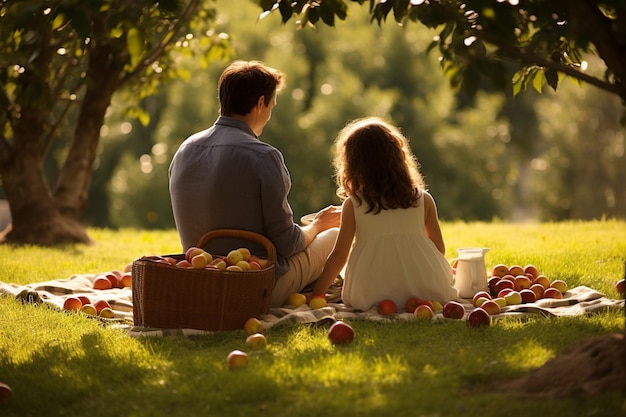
[{"x": 526, "y": 355}]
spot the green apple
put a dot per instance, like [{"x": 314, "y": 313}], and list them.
[
  {"x": 234, "y": 256},
  {"x": 296, "y": 299},
  {"x": 513, "y": 298}
]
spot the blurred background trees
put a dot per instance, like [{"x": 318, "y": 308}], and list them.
[{"x": 532, "y": 157}]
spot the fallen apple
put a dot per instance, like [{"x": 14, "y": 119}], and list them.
[
  {"x": 319, "y": 301},
  {"x": 522, "y": 282},
  {"x": 5, "y": 393},
  {"x": 478, "y": 318},
  {"x": 552, "y": 293},
  {"x": 411, "y": 304},
  {"x": 237, "y": 359},
  {"x": 437, "y": 306},
  {"x": 127, "y": 280},
  {"x": 499, "y": 270},
  {"x": 106, "y": 313},
  {"x": 256, "y": 341},
  {"x": 619, "y": 286},
  {"x": 423, "y": 312},
  {"x": 296, "y": 299},
  {"x": 387, "y": 307},
  {"x": 491, "y": 307},
  {"x": 252, "y": 325},
  {"x": 340, "y": 333},
  {"x": 532, "y": 270},
  {"x": 528, "y": 296},
  {"x": 538, "y": 290},
  {"x": 560, "y": 285},
  {"x": 500, "y": 301},
  {"x": 504, "y": 283},
  {"x": 72, "y": 304},
  {"x": 89, "y": 310},
  {"x": 453, "y": 310},
  {"x": 543, "y": 281},
  {"x": 513, "y": 298},
  {"x": 479, "y": 294},
  {"x": 102, "y": 283}
]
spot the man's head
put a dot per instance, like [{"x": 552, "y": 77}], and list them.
[{"x": 243, "y": 83}]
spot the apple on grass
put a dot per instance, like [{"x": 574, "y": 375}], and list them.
[
  {"x": 237, "y": 359},
  {"x": 252, "y": 325},
  {"x": 387, "y": 307},
  {"x": 423, "y": 312},
  {"x": 5, "y": 393},
  {"x": 453, "y": 310},
  {"x": 478, "y": 317},
  {"x": 340, "y": 333},
  {"x": 256, "y": 341}
]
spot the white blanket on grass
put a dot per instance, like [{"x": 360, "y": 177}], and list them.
[{"x": 577, "y": 301}]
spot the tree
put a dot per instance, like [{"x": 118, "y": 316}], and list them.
[
  {"x": 61, "y": 62},
  {"x": 477, "y": 38},
  {"x": 547, "y": 39}
]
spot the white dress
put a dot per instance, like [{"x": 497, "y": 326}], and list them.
[{"x": 392, "y": 258}]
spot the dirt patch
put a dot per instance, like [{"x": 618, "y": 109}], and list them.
[{"x": 587, "y": 367}]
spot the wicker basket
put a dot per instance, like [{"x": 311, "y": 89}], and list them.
[{"x": 166, "y": 296}]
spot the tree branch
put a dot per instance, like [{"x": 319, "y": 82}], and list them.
[{"x": 157, "y": 51}]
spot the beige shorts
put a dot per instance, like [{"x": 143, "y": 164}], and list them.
[{"x": 304, "y": 267}]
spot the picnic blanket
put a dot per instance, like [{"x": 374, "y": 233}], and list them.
[{"x": 576, "y": 301}]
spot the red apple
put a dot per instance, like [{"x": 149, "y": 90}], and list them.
[
  {"x": 504, "y": 292},
  {"x": 340, "y": 333},
  {"x": 411, "y": 304},
  {"x": 619, "y": 286},
  {"x": 478, "y": 317},
  {"x": 491, "y": 307},
  {"x": 543, "y": 281},
  {"x": 538, "y": 290},
  {"x": 528, "y": 296},
  {"x": 102, "y": 283},
  {"x": 5, "y": 393},
  {"x": 72, "y": 303},
  {"x": 423, "y": 312},
  {"x": 127, "y": 280},
  {"x": 499, "y": 270},
  {"x": 100, "y": 304},
  {"x": 256, "y": 341},
  {"x": 453, "y": 310},
  {"x": 560, "y": 285},
  {"x": 491, "y": 283},
  {"x": 552, "y": 293},
  {"x": 386, "y": 307},
  {"x": 532, "y": 270},
  {"x": 115, "y": 281},
  {"x": 237, "y": 359},
  {"x": 84, "y": 299},
  {"x": 480, "y": 294},
  {"x": 516, "y": 270},
  {"x": 504, "y": 283},
  {"x": 522, "y": 282}
]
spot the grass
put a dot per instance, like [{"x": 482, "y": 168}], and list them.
[{"x": 61, "y": 364}]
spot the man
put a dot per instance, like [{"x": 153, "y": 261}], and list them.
[{"x": 224, "y": 177}]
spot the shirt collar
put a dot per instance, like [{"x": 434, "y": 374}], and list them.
[{"x": 236, "y": 123}]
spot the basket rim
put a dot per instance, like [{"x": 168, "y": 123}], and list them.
[{"x": 243, "y": 234}]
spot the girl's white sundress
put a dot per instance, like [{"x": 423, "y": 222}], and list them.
[{"x": 392, "y": 258}]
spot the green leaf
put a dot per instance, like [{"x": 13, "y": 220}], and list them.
[
  {"x": 539, "y": 80},
  {"x": 134, "y": 43}
]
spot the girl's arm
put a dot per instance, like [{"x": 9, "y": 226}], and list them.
[
  {"x": 339, "y": 256},
  {"x": 431, "y": 223}
]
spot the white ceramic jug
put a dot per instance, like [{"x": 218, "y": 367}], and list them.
[{"x": 471, "y": 273}]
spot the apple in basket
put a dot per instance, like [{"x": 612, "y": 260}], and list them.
[
  {"x": 237, "y": 359},
  {"x": 340, "y": 333}
]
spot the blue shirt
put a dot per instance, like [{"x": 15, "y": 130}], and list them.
[{"x": 224, "y": 177}]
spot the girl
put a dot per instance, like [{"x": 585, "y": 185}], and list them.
[{"x": 389, "y": 233}]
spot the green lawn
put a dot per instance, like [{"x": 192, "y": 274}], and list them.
[{"x": 66, "y": 364}]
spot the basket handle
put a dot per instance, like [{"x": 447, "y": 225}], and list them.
[{"x": 241, "y": 234}]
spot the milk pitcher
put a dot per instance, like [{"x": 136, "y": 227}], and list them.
[{"x": 471, "y": 273}]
